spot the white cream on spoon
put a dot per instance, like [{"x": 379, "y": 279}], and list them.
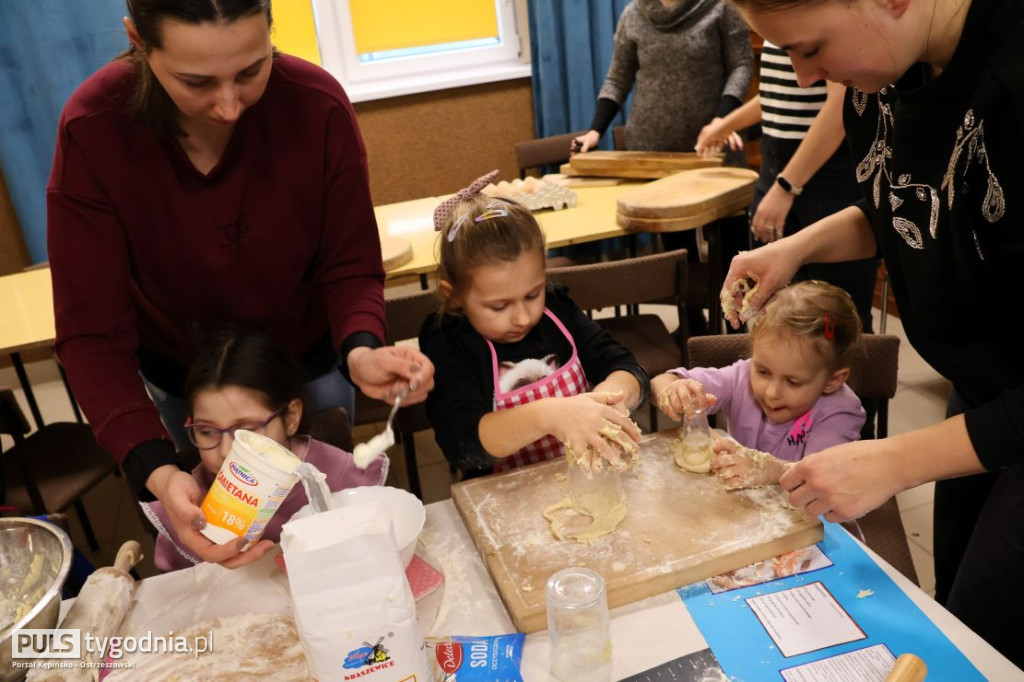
[{"x": 364, "y": 453}]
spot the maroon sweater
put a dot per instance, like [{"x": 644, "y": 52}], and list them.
[{"x": 146, "y": 251}]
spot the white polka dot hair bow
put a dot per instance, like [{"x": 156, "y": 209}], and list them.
[{"x": 445, "y": 208}]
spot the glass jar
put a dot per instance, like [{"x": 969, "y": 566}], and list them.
[
  {"x": 696, "y": 447},
  {"x": 581, "y": 647},
  {"x": 597, "y": 493}
]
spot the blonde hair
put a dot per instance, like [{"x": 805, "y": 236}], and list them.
[
  {"x": 481, "y": 231},
  {"x": 813, "y": 310}
]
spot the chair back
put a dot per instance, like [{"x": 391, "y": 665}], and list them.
[
  {"x": 543, "y": 151},
  {"x": 626, "y": 282},
  {"x": 52, "y": 468},
  {"x": 13, "y": 423},
  {"x": 873, "y": 376},
  {"x": 720, "y": 350},
  {"x": 619, "y": 138},
  {"x": 330, "y": 426},
  {"x": 405, "y": 313},
  {"x": 12, "y": 420}
]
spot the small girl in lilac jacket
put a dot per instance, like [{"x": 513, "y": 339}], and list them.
[
  {"x": 244, "y": 381},
  {"x": 790, "y": 398}
]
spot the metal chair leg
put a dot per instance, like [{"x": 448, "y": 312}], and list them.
[
  {"x": 885, "y": 304},
  {"x": 26, "y": 387},
  {"x": 83, "y": 518},
  {"x": 71, "y": 396}
]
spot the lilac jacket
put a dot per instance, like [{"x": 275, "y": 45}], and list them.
[
  {"x": 341, "y": 471},
  {"x": 836, "y": 418}
]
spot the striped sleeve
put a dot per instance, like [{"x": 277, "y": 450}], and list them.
[{"x": 787, "y": 109}]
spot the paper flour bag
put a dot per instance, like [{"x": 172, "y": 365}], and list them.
[{"x": 354, "y": 610}]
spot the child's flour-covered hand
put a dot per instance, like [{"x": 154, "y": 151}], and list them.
[
  {"x": 679, "y": 398},
  {"x": 579, "y": 422},
  {"x": 740, "y": 467}
]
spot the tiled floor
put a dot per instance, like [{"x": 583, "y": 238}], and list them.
[{"x": 920, "y": 400}]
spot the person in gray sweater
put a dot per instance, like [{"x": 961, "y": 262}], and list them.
[
  {"x": 692, "y": 63},
  {"x": 690, "y": 60}
]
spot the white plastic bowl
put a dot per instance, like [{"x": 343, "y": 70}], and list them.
[{"x": 407, "y": 512}]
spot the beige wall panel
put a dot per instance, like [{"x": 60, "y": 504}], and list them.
[{"x": 434, "y": 143}]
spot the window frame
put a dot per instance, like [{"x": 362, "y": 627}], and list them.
[{"x": 421, "y": 73}]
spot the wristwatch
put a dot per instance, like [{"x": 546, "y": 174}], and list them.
[{"x": 788, "y": 186}]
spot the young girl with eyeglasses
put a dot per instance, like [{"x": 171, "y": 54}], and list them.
[
  {"x": 520, "y": 370},
  {"x": 243, "y": 381}
]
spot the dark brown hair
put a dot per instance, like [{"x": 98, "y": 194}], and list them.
[
  {"x": 809, "y": 309},
  {"x": 150, "y": 103},
  {"x": 248, "y": 359},
  {"x": 481, "y": 241}
]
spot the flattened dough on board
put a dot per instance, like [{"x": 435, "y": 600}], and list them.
[
  {"x": 604, "y": 521},
  {"x": 606, "y": 514}
]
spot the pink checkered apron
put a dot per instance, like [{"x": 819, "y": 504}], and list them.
[{"x": 568, "y": 380}]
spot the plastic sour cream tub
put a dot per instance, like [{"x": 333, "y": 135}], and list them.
[{"x": 254, "y": 479}]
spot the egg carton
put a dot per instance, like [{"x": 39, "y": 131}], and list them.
[{"x": 533, "y": 193}]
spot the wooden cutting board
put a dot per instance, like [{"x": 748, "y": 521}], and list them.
[
  {"x": 686, "y": 199},
  {"x": 639, "y": 164},
  {"x": 395, "y": 251},
  {"x": 680, "y": 528}
]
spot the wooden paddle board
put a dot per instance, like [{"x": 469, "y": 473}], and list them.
[
  {"x": 395, "y": 252},
  {"x": 639, "y": 164},
  {"x": 575, "y": 182},
  {"x": 681, "y": 527},
  {"x": 693, "y": 197},
  {"x": 622, "y": 175}
]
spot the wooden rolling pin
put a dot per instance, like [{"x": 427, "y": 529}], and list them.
[
  {"x": 908, "y": 668},
  {"x": 102, "y": 604}
]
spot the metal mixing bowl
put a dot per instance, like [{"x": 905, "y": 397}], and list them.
[{"x": 35, "y": 558}]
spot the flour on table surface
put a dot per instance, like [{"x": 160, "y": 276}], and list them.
[{"x": 263, "y": 646}]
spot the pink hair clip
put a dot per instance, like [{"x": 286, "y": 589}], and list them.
[{"x": 444, "y": 210}]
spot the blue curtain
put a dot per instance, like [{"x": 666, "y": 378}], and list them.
[
  {"x": 47, "y": 47},
  {"x": 570, "y": 50}
]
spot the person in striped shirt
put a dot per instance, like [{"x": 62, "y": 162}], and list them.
[{"x": 806, "y": 172}]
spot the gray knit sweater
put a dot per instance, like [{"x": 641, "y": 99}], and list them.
[{"x": 682, "y": 60}]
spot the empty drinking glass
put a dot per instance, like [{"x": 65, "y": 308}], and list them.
[{"x": 581, "y": 648}]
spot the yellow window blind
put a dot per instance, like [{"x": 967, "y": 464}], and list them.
[
  {"x": 295, "y": 29},
  {"x": 381, "y": 25}
]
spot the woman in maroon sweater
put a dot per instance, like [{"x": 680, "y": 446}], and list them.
[{"x": 204, "y": 177}]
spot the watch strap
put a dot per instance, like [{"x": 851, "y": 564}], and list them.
[{"x": 788, "y": 186}]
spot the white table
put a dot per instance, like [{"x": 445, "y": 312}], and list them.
[{"x": 644, "y": 634}]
